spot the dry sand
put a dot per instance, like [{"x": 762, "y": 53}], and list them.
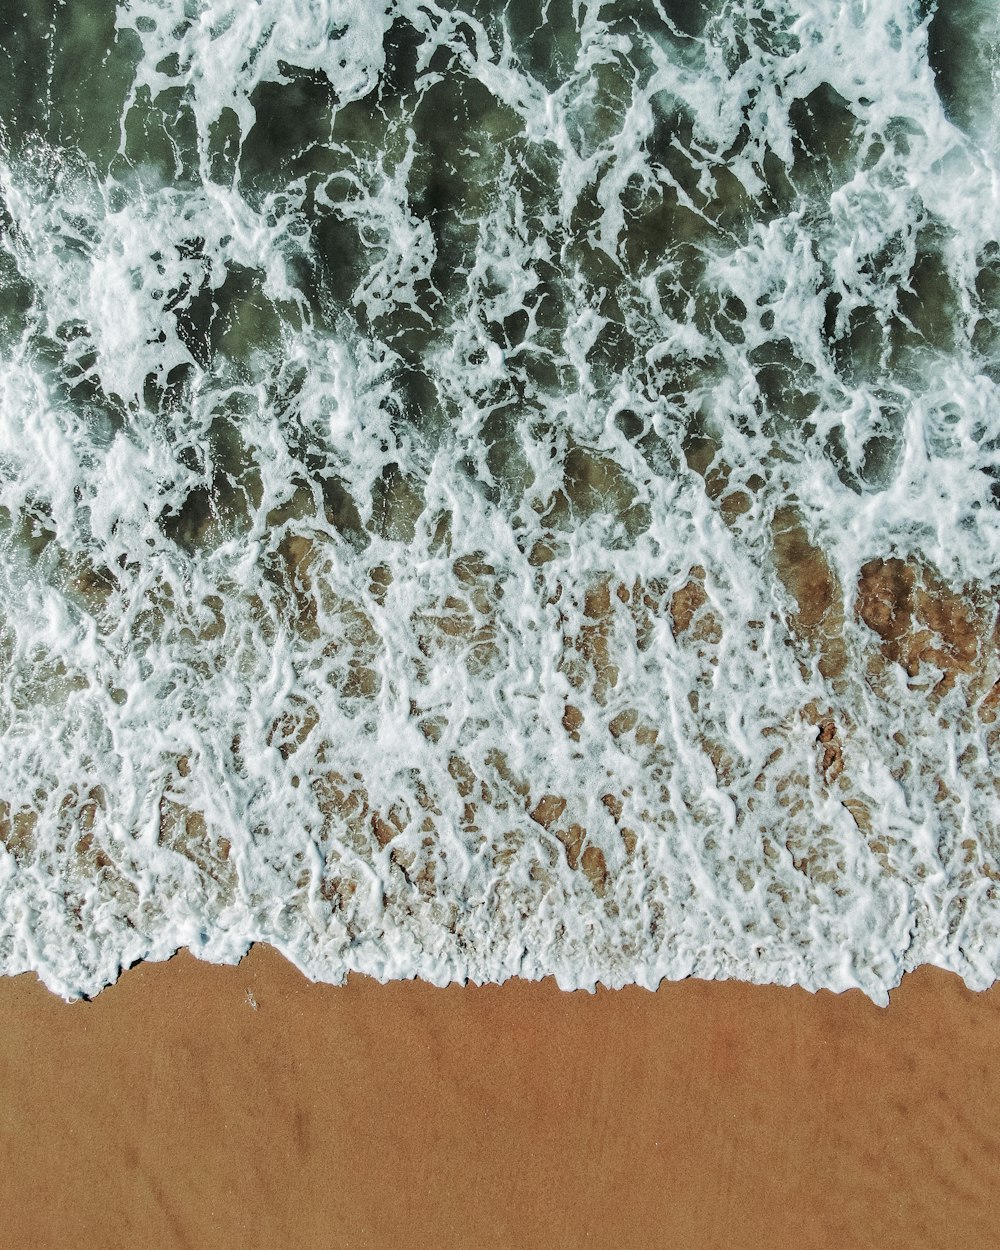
[{"x": 170, "y": 1112}]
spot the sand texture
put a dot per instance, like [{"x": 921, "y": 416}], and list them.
[{"x": 170, "y": 1112}]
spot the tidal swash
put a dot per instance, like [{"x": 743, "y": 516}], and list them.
[{"x": 501, "y": 490}]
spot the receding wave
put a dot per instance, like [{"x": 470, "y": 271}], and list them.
[{"x": 501, "y": 490}]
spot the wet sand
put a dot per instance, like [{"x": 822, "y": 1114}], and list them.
[{"x": 169, "y": 1112}]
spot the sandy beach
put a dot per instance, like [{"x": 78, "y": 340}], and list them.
[{"x": 173, "y": 1112}]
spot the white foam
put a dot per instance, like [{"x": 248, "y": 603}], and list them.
[{"x": 226, "y": 729}]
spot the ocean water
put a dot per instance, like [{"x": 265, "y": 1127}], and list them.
[{"x": 499, "y": 490}]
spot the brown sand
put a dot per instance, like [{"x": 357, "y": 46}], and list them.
[{"x": 171, "y": 1113}]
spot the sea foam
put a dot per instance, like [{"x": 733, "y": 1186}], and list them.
[{"x": 501, "y": 491}]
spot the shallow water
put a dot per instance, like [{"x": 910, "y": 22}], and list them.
[{"x": 501, "y": 490}]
